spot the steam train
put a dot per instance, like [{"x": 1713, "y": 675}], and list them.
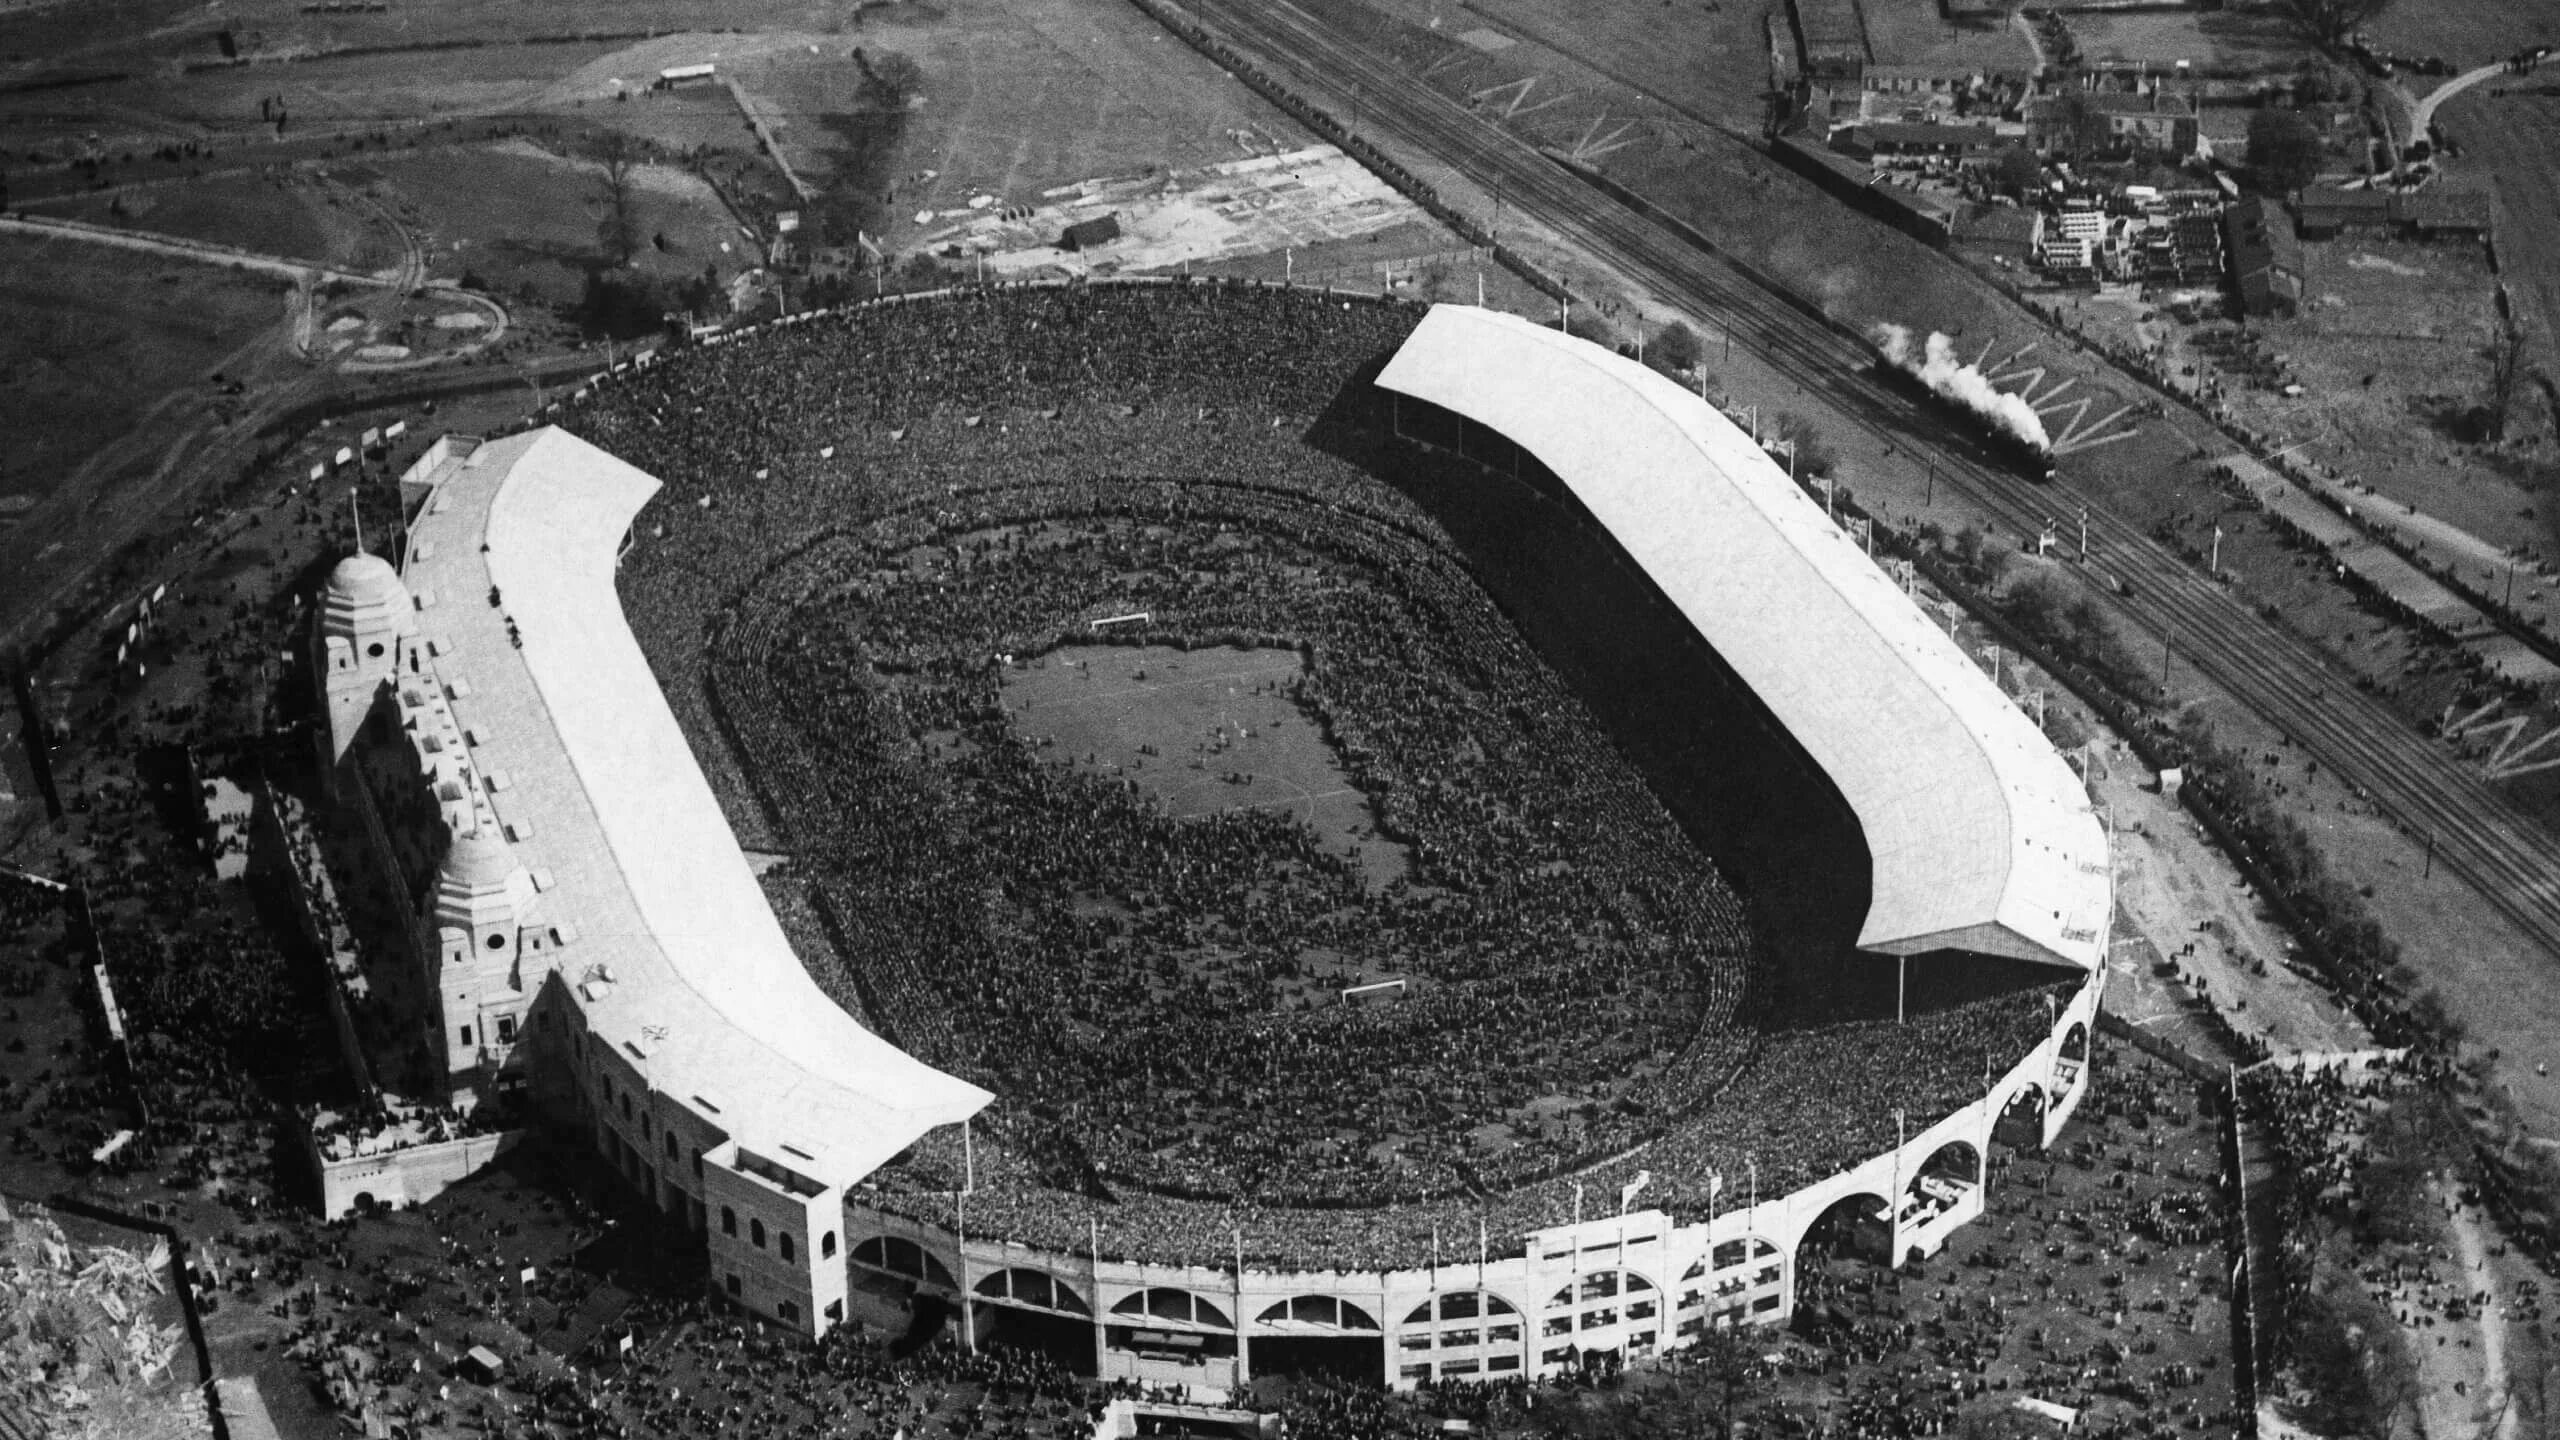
[{"x": 1996, "y": 442}]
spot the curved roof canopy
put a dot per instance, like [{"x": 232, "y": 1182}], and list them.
[
  {"x": 662, "y": 930},
  {"x": 1982, "y": 837}
]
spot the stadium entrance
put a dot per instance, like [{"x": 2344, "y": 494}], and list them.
[
  {"x": 2021, "y": 1123},
  {"x": 1853, "y": 1225}
]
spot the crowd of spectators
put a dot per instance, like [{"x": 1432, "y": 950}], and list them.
[{"x": 865, "y": 513}]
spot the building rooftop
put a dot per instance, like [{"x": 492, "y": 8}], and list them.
[
  {"x": 657, "y": 925},
  {"x": 1982, "y": 838}
]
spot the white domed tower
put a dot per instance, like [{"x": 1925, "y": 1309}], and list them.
[
  {"x": 367, "y": 623},
  {"x": 476, "y": 917}
]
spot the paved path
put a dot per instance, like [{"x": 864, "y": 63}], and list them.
[{"x": 2422, "y": 113}]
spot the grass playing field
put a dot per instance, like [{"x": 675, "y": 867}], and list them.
[{"x": 1203, "y": 730}]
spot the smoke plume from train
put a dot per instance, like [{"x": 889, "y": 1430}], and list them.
[{"x": 1936, "y": 366}]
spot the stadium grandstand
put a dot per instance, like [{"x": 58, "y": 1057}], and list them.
[{"x": 597, "y": 943}]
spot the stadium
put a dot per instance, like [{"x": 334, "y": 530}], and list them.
[{"x": 1214, "y": 831}]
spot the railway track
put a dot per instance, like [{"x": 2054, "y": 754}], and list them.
[{"x": 2476, "y": 832}]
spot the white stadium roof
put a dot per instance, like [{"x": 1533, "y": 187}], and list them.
[
  {"x": 1982, "y": 837},
  {"x": 604, "y": 801}
]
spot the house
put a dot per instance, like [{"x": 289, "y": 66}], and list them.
[
  {"x": 1086, "y": 234},
  {"x": 2080, "y": 121},
  {"x": 2328, "y": 211},
  {"x": 2443, "y": 212},
  {"x": 1921, "y": 79},
  {"x": 2265, "y": 258},
  {"x": 1957, "y": 142}
]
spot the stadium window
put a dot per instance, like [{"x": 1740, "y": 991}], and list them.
[
  {"x": 784, "y": 1240},
  {"x": 733, "y": 1285},
  {"x": 626, "y": 1106},
  {"x": 755, "y": 1233},
  {"x": 647, "y": 1127},
  {"x": 671, "y": 1144},
  {"x": 827, "y": 1246},
  {"x": 728, "y": 1221},
  {"x": 697, "y": 1164}
]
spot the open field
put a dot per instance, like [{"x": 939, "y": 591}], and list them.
[
  {"x": 525, "y": 220},
  {"x": 1010, "y": 102},
  {"x": 2514, "y": 140},
  {"x": 2387, "y": 349},
  {"x": 2466, "y": 32},
  {"x": 1917, "y": 32},
  {"x": 95, "y": 339},
  {"x": 2227, "y": 40},
  {"x": 273, "y": 216},
  {"x": 1222, "y": 729}
]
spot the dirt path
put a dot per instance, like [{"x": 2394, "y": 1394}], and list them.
[
  {"x": 2175, "y": 890},
  {"x": 2422, "y": 113}
]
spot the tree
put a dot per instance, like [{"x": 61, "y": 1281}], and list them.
[
  {"x": 2016, "y": 170},
  {"x": 618, "y": 220},
  {"x": 2284, "y": 150},
  {"x": 1675, "y": 347},
  {"x": 2508, "y": 370},
  {"x": 2330, "y": 22}
]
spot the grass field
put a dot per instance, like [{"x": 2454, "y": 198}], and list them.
[
  {"x": 2224, "y": 40},
  {"x": 95, "y": 337},
  {"x": 1204, "y": 731},
  {"x": 269, "y": 215},
  {"x": 2388, "y": 346},
  {"x": 1916, "y": 32},
  {"x": 2466, "y": 32},
  {"x": 2515, "y": 141},
  {"x": 525, "y": 219},
  {"x": 1014, "y": 101}
]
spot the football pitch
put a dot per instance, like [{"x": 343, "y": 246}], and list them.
[{"x": 1204, "y": 731}]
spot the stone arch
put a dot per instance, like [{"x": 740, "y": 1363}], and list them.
[
  {"x": 1033, "y": 1288},
  {"x": 1164, "y": 1302},
  {"x": 1957, "y": 1159},
  {"x": 1857, "y": 1223},
  {"x": 2021, "y": 1121},
  {"x": 1451, "y": 1305},
  {"x": 1723, "y": 1294},
  {"x": 1616, "y": 1311},
  {"x": 1322, "y": 1312},
  {"x": 898, "y": 1255}
]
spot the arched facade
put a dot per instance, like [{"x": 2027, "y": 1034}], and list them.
[{"x": 1629, "y": 1286}]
